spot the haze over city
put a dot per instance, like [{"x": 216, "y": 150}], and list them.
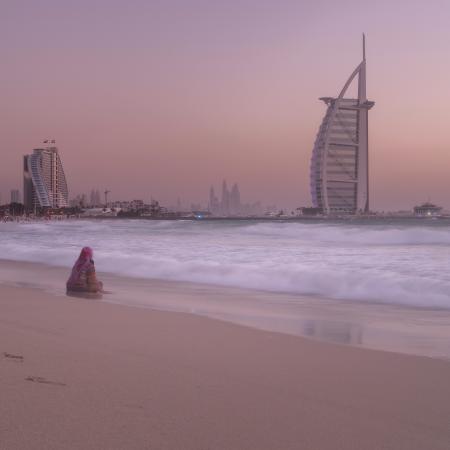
[{"x": 164, "y": 99}]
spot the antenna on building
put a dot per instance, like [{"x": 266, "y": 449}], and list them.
[{"x": 364, "y": 47}]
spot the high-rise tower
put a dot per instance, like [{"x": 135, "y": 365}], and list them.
[
  {"x": 225, "y": 202},
  {"x": 15, "y": 196},
  {"x": 44, "y": 182},
  {"x": 339, "y": 173},
  {"x": 235, "y": 200}
]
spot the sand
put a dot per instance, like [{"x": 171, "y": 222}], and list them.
[
  {"x": 86, "y": 374},
  {"x": 375, "y": 325}
]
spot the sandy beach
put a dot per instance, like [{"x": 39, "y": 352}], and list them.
[{"x": 84, "y": 374}]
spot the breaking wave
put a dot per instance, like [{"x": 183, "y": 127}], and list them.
[{"x": 398, "y": 264}]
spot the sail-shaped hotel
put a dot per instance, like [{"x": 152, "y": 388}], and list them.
[{"x": 340, "y": 163}]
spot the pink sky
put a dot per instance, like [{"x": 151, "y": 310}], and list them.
[{"x": 165, "y": 98}]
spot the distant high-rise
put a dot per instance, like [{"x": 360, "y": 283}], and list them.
[
  {"x": 15, "y": 196},
  {"x": 225, "y": 202},
  {"x": 95, "y": 200},
  {"x": 235, "y": 200},
  {"x": 229, "y": 203},
  {"x": 44, "y": 182},
  {"x": 92, "y": 199},
  {"x": 340, "y": 164},
  {"x": 213, "y": 204}
]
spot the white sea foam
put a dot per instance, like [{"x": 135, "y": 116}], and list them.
[
  {"x": 348, "y": 234},
  {"x": 400, "y": 264}
]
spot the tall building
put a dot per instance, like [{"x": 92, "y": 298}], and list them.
[
  {"x": 44, "y": 182},
  {"x": 229, "y": 203},
  {"x": 213, "y": 204},
  {"x": 339, "y": 173},
  {"x": 235, "y": 200},
  {"x": 225, "y": 202},
  {"x": 93, "y": 199},
  {"x": 15, "y": 196}
]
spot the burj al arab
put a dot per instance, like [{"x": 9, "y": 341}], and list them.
[{"x": 339, "y": 174}]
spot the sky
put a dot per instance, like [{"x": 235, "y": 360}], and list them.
[{"x": 164, "y": 98}]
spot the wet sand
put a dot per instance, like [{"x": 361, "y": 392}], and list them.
[
  {"x": 417, "y": 331},
  {"x": 87, "y": 374}
]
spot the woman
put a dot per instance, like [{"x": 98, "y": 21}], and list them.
[{"x": 83, "y": 278}]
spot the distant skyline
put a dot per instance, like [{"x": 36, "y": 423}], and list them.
[{"x": 163, "y": 99}]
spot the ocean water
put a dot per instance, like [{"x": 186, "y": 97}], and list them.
[{"x": 405, "y": 263}]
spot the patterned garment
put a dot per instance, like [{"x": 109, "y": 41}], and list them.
[{"x": 83, "y": 277}]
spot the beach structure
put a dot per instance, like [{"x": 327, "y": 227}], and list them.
[
  {"x": 44, "y": 181},
  {"x": 339, "y": 172},
  {"x": 427, "y": 209}
]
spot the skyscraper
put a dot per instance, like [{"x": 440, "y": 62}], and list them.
[
  {"x": 44, "y": 182},
  {"x": 230, "y": 202},
  {"x": 213, "y": 204},
  {"x": 98, "y": 200},
  {"x": 339, "y": 173},
  {"x": 95, "y": 200},
  {"x": 225, "y": 202},
  {"x": 92, "y": 199},
  {"x": 15, "y": 196},
  {"x": 235, "y": 200}
]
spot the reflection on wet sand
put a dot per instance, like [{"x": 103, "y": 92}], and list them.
[
  {"x": 88, "y": 295},
  {"x": 372, "y": 325},
  {"x": 314, "y": 328},
  {"x": 338, "y": 332}
]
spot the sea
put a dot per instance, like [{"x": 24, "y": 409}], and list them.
[{"x": 397, "y": 268}]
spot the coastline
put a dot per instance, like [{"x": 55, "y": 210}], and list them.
[
  {"x": 360, "y": 219},
  {"x": 99, "y": 375},
  {"x": 417, "y": 331}
]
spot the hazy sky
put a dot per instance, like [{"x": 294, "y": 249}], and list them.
[{"x": 164, "y": 98}]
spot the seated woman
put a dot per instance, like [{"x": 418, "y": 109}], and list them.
[{"x": 83, "y": 278}]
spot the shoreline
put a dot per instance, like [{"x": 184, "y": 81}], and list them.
[
  {"x": 354, "y": 219},
  {"x": 101, "y": 375},
  {"x": 378, "y": 326}
]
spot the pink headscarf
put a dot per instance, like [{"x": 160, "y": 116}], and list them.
[{"x": 83, "y": 261}]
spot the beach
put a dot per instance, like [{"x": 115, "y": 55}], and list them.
[
  {"x": 88, "y": 374},
  {"x": 226, "y": 336}
]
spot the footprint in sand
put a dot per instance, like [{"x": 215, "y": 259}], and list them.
[
  {"x": 10, "y": 356},
  {"x": 44, "y": 381}
]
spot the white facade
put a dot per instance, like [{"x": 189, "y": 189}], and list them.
[
  {"x": 339, "y": 173},
  {"x": 45, "y": 184}
]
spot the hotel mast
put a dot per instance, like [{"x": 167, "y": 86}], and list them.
[{"x": 340, "y": 160}]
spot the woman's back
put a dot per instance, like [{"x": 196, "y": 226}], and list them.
[{"x": 83, "y": 277}]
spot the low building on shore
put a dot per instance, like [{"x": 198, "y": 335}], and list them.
[{"x": 427, "y": 209}]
